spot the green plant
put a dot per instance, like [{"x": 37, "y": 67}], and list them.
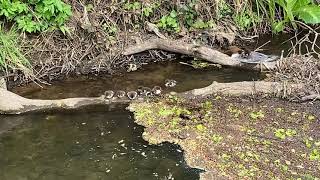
[
  {"x": 189, "y": 14},
  {"x": 304, "y": 10},
  {"x": 165, "y": 112},
  {"x": 36, "y": 15},
  {"x": 257, "y": 115},
  {"x": 233, "y": 110},
  {"x": 314, "y": 155},
  {"x": 201, "y": 128},
  {"x": 200, "y": 24},
  {"x": 207, "y": 105},
  {"x": 246, "y": 19},
  {"x": 148, "y": 10},
  {"x": 132, "y": 6},
  {"x": 223, "y": 9},
  {"x": 216, "y": 138},
  {"x": 10, "y": 55},
  {"x": 169, "y": 22},
  {"x": 111, "y": 30},
  {"x": 283, "y": 133}
]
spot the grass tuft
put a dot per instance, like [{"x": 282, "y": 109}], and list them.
[{"x": 11, "y": 58}]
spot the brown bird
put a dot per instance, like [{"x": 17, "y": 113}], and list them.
[{"x": 235, "y": 51}]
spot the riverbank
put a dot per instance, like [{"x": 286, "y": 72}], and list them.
[{"x": 237, "y": 137}]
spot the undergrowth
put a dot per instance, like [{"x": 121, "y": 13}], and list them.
[
  {"x": 36, "y": 15},
  {"x": 278, "y": 15}
]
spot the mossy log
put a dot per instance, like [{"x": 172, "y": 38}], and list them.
[
  {"x": 201, "y": 52},
  {"x": 11, "y": 103}
]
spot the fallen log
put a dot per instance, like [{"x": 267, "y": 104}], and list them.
[
  {"x": 201, "y": 52},
  {"x": 11, "y": 103},
  {"x": 246, "y": 88}
]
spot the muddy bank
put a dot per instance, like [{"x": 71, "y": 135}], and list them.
[{"x": 236, "y": 138}]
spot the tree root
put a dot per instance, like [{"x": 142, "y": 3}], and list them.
[
  {"x": 11, "y": 103},
  {"x": 197, "y": 51}
]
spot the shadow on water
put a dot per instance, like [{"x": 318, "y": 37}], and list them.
[{"x": 86, "y": 145}]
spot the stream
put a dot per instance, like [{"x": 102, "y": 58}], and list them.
[{"x": 101, "y": 142}]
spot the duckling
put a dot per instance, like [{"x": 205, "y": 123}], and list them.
[
  {"x": 108, "y": 94},
  {"x": 120, "y": 94},
  {"x": 236, "y": 52},
  {"x": 140, "y": 90},
  {"x": 170, "y": 83},
  {"x": 132, "y": 95},
  {"x": 146, "y": 91},
  {"x": 156, "y": 90}
]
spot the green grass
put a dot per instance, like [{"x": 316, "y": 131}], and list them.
[{"x": 11, "y": 58}]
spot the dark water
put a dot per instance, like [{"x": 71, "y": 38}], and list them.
[
  {"x": 86, "y": 145},
  {"x": 275, "y": 44}
]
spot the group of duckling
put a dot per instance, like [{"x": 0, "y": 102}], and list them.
[{"x": 141, "y": 91}]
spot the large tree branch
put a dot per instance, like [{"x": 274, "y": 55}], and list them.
[
  {"x": 11, "y": 103},
  {"x": 201, "y": 52}
]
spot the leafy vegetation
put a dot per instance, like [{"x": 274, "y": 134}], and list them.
[
  {"x": 280, "y": 13},
  {"x": 36, "y": 15},
  {"x": 10, "y": 54},
  {"x": 170, "y": 22},
  {"x": 250, "y": 14}
]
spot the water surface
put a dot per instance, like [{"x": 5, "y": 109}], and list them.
[
  {"x": 86, "y": 145},
  {"x": 149, "y": 75}
]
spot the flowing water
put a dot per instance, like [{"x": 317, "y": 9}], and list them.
[{"x": 98, "y": 142}]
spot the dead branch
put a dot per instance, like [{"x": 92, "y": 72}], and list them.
[{"x": 197, "y": 51}]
